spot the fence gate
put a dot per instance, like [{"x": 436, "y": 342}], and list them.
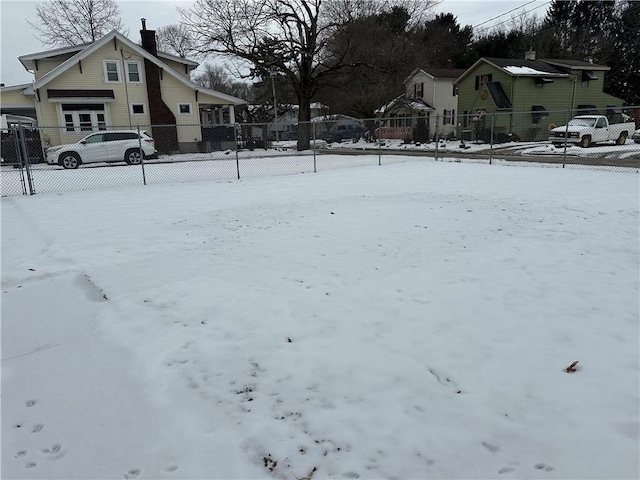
[{"x": 20, "y": 147}]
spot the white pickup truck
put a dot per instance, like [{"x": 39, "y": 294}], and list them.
[{"x": 585, "y": 130}]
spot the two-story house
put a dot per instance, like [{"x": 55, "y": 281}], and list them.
[
  {"x": 115, "y": 83},
  {"x": 525, "y": 98},
  {"x": 429, "y": 94}
]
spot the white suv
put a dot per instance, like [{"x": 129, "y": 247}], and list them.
[{"x": 104, "y": 146}]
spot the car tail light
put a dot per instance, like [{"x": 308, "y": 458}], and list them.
[{"x": 148, "y": 140}]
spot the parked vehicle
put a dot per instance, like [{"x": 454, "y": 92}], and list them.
[
  {"x": 343, "y": 131},
  {"x": 585, "y": 130},
  {"x": 286, "y": 131},
  {"x": 111, "y": 146},
  {"x": 636, "y": 136}
]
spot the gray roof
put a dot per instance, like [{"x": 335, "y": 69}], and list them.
[
  {"x": 444, "y": 72},
  {"x": 575, "y": 64},
  {"x": 539, "y": 65}
]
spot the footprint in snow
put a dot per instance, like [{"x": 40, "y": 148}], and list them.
[
  {"x": 30, "y": 403},
  {"x": 20, "y": 454},
  {"x": 54, "y": 450},
  {"x": 29, "y": 465},
  {"x": 171, "y": 468},
  {"x": 545, "y": 467},
  {"x": 131, "y": 474},
  {"x": 36, "y": 428}
]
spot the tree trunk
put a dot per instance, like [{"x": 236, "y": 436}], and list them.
[{"x": 304, "y": 121}]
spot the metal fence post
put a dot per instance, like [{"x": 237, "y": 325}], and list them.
[
  {"x": 437, "y": 135},
  {"x": 235, "y": 135},
  {"x": 313, "y": 136},
  {"x": 144, "y": 176},
  {"x": 566, "y": 138},
  {"x": 379, "y": 141},
  {"x": 24, "y": 153},
  {"x": 491, "y": 139}
]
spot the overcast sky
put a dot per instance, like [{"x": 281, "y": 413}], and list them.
[{"x": 17, "y": 36}]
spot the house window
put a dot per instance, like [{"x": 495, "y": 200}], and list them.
[
  {"x": 68, "y": 122},
  {"x": 111, "y": 71},
  {"x": 483, "y": 79},
  {"x": 84, "y": 117},
  {"x": 448, "y": 117},
  {"x": 455, "y": 90},
  {"x": 133, "y": 72},
  {"x": 137, "y": 109},
  {"x": 418, "y": 90},
  {"x": 184, "y": 108}
]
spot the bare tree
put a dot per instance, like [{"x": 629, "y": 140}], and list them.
[
  {"x": 215, "y": 77},
  {"x": 63, "y": 23},
  {"x": 176, "y": 39},
  {"x": 284, "y": 37}
]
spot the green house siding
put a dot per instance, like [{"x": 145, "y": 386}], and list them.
[{"x": 559, "y": 98}]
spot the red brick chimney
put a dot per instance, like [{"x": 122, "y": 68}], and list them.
[
  {"x": 163, "y": 120},
  {"x": 148, "y": 39}
]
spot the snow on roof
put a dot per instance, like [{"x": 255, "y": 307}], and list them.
[
  {"x": 419, "y": 106},
  {"x": 525, "y": 71}
]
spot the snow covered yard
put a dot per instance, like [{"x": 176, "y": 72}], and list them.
[{"x": 407, "y": 321}]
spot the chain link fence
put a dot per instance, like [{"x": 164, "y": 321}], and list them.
[{"x": 55, "y": 159}]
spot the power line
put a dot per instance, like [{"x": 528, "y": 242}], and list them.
[
  {"x": 505, "y": 21},
  {"x": 503, "y": 14}
]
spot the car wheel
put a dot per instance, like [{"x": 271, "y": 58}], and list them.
[
  {"x": 622, "y": 139},
  {"x": 70, "y": 160},
  {"x": 585, "y": 141},
  {"x": 133, "y": 157}
]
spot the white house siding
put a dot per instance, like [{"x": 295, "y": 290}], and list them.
[
  {"x": 45, "y": 65},
  {"x": 444, "y": 100},
  {"x": 93, "y": 78},
  {"x": 437, "y": 92},
  {"x": 175, "y": 92},
  {"x": 15, "y": 98},
  {"x": 177, "y": 66}
]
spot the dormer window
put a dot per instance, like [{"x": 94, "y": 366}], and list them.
[
  {"x": 111, "y": 71},
  {"x": 418, "y": 90}
]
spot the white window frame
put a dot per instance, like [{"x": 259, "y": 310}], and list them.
[
  {"x": 448, "y": 117},
  {"x": 75, "y": 125},
  {"x": 133, "y": 62},
  {"x": 106, "y": 73},
  {"x": 144, "y": 108},
  {"x": 180, "y": 104}
]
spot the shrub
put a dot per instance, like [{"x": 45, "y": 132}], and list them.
[{"x": 421, "y": 132}]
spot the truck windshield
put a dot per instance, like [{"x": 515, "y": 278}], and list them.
[{"x": 582, "y": 122}]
